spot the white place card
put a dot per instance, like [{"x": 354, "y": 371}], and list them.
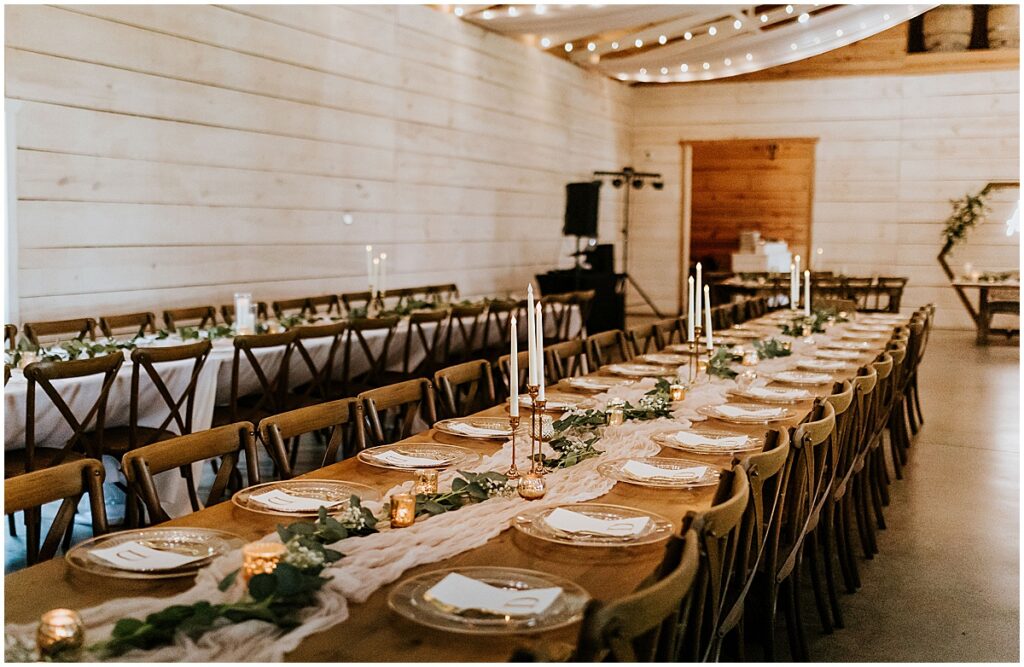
[
  {"x": 131, "y": 555},
  {"x": 822, "y": 364},
  {"x": 391, "y": 457},
  {"x": 697, "y": 440},
  {"x": 641, "y": 470},
  {"x": 476, "y": 431},
  {"x": 286, "y": 502},
  {"x": 759, "y": 413},
  {"x": 783, "y": 394},
  {"x": 461, "y": 593},
  {"x": 803, "y": 377},
  {"x": 574, "y": 522}
]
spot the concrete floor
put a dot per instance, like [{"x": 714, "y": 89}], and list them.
[{"x": 945, "y": 585}]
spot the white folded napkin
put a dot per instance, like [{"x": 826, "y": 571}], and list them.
[
  {"x": 286, "y": 502},
  {"x": 671, "y": 359},
  {"x": 822, "y": 364},
  {"x": 476, "y": 431},
  {"x": 391, "y": 457},
  {"x": 589, "y": 383},
  {"x": 574, "y": 522},
  {"x": 818, "y": 378},
  {"x": 131, "y": 555},
  {"x": 836, "y": 354},
  {"x": 461, "y": 593},
  {"x": 736, "y": 411},
  {"x": 695, "y": 439},
  {"x": 785, "y": 394},
  {"x": 642, "y": 470}
]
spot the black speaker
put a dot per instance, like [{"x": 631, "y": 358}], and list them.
[{"x": 581, "y": 209}]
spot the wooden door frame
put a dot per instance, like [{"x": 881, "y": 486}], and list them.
[{"x": 686, "y": 202}]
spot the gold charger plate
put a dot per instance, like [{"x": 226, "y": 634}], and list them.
[
  {"x": 638, "y": 370},
  {"x": 596, "y": 383},
  {"x": 334, "y": 491},
  {"x": 779, "y": 398},
  {"x": 800, "y": 378},
  {"x": 713, "y": 411},
  {"x": 666, "y": 439},
  {"x": 445, "y": 456},
  {"x": 531, "y": 522},
  {"x": 614, "y": 470},
  {"x": 502, "y": 427},
  {"x": 205, "y": 542}
]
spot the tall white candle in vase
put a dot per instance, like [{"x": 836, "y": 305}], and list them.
[
  {"x": 792, "y": 286},
  {"x": 707, "y": 317},
  {"x": 369, "y": 266},
  {"x": 383, "y": 273},
  {"x": 373, "y": 276},
  {"x": 807, "y": 293},
  {"x": 540, "y": 351},
  {"x": 689, "y": 311},
  {"x": 697, "y": 307},
  {"x": 513, "y": 370},
  {"x": 531, "y": 337}
]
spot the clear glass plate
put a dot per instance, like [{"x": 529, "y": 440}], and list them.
[
  {"x": 205, "y": 542},
  {"x": 597, "y": 382},
  {"x": 639, "y": 370},
  {"x": 871, "y": 328},
  {"x": 845, "y": 345},
  {"x": 843, "y": 355},
  {"x": 532, "y": 523},
  {"x": 862, "y": 335},
  {"x": 745, "y": 334},
  {"x": 800, "y": 378},
  {"x": 713, "y": 411},
  {"x": 665, "y": 359},
  {"x": 752, "y": 442},
  {"x": 822, "y": 365},
  {"x": 613, "y": 469},
  {"x": 328, "y": 490},
  {"x": 407, "y": 599},
  {"x": 444, "y": 456},
  {"x": 502, "y": 427},
  {"x": 558, "y": 402},
  {"x": 779, "y": 399}
]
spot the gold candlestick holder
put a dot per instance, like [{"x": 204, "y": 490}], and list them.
[
  {"x": 532, "y": 484},
  {"x": 376, "y": 305},
  {"x": 513, "y": 471}
]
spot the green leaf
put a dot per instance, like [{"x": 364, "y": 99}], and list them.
[
  {"x": 228, "y": 581},
  {"x": 126, "y": 627},
  {"x": 289, "y": 579},
  {"x": 262, "y": 586}
]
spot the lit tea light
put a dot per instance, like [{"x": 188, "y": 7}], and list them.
[
  {"x": 678, "y": 392},
  {"x": 614, "y": 413},
  {"x": 750, "y": 358},
  {"x": 403, "y": 510},
  {"x": 426, "y": 481},
  {"x": 532, "y": 486},
  {"x": 261, "y": 558},
  {"x": 60, "y": 633}
]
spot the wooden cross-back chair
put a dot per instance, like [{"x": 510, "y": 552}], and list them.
[
  {"x": 353, "y": 383},
  {"x": 398, "y": 411},
  {"x": 356, "y": 300},
  {"x": 762, "y": 471},
  {"x": 839, "y": 305},
  {"x": 566, "y": 359},
  {"x": 801, "y": 488},
  {"x": 87, "y": 432},
  {"x": 291, "y": 307},
  {"x": 913, "y": 395},
  {"x": 497, "y": 327},
  {"x": 557, "y": 309},
  {"x": 643, "y": 626},
  {"x": 180, "y": 408},
  {"x": 133, "y": 324},
  {"x": 318, "y": 387},
  {"x": 419, "y": 334},
  {"x": 10, "y": 336},
  {"x": 442, "y": 293},
  {"x": 643, "y": 339},
  {"x": 718, "y": 534},
  {"x": 80, "y": 329},
  {"x": 668, "y": 332},
  {"x": 325, "y": 304},
  {"x": 721, "y": 317},
  {"x": 875, "y": 481},
  {"x": 504, "y": 367},
  {"x": 227, "y": 312},
  {"x": 220, "y": 446},
  {"x": 851, "y": 488},
  {"x": 271, "y": 373},
  {"x": 584, "y": 302},
  {"x": 463, "y": 339},
  {"x": 607, "y": 347},
  {"x": 337, "y": 423},
  {"x": 466, "y": 388},
  {"x": 67, "y": 483},
  {"x": 198, "y": 316}
]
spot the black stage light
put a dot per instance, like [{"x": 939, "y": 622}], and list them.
[
  {"x": 617, "y": 182},
  {"x": 657, "y": 185},
  {"x": 638, "y": 183}
]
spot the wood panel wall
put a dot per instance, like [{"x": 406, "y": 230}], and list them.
[
  {"x": 764, "y": 185},
  {"x": 892, "y": 152},
  {"x": 171, "y": 155}
]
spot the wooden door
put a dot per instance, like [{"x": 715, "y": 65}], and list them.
[{"x": 764, "y": 185}]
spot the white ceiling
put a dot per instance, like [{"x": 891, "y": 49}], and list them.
[{"x": 674, "y": 43}]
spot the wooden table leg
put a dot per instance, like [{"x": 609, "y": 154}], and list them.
[{"x": 984, "y": 317}]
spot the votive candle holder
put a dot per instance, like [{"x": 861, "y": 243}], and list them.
[
  {"x": 403, "y": 510},
  {"x": 426, "y": 481},
  {"x": 60, "y": 633},
  {"x": 261, "y": 558}
]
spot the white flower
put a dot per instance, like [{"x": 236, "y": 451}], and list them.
[{"x": 302, "y": 556}]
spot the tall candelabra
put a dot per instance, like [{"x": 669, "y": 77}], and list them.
[
  {"x": 696, "y": 350},
  {"x": 532, "y": 484}
]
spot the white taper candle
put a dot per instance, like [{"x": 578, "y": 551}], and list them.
[
  {"x": 689, "y": 312},
  {"x": 807, "y": 293},
  {"x": 707, "y": 317},
  {"x": 540, "y": 352},
  {"x": 513, "y": 369},
  {"x": 531, "y": 336}
]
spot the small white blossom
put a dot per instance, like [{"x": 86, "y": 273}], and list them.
[{"x": 302, "y": 556}]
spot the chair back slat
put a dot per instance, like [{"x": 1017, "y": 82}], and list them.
[
  {"x": 465, "y": 388},
  {"x": 504, "y": 367},
  {"x": 463, "y": 340},
  {"x": 81, "y": 328},
  {"x": 318, "y": 386},
  {"x": 340, "y": 421},
  {"x": 566, "y": 359},
  {"x": 271, "y": 396},
  {"x": 199, "y": 316},
  {"x": 429, "y": 343},
  {"x": 376, "y": 361},
  {"x": 392, "y": 411},
  {"x": 607, "y": 347},
  {"x": 137, "y": 324},
  {"x": 147, "y": 359}
]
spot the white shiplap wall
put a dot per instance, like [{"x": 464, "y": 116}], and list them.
[
  {"x": 171, "y": 155},
  {"x": 892, "y": 151}
]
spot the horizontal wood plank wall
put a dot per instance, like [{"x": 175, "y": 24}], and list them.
[
  {"x": 892, "y": 152},
  {"x": 172, "y": 155}
]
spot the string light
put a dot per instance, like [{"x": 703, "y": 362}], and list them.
[
  {"x": 487, "y": 15},
  {"x": 591, "y": 46},
  {"x": 615, "y": 45},
  {"x": 688, "y": 36},
  {"x": 764, "y": 18},
  {"x": 728, "y": 62},
  {"x": 793, "y": 46},
  {"x": 804, "y": 18},
  {"x": 789, "y": 9},
  {"x": 737, "y": 24},
  {"x": 662, "y": 39},
  {"x": 712, "y": 31},
  {"x": 638, "y": 43},
  {"x": 512, "y": 11},
  {"x": 459, "y": 11},
  {"x": 885, "y": 17},
  {"x": 684, "y": 68},
  {"x": 750, "y": 56},
  {"x": 568, "y": 47},
  {"x": 839, "y": 32},
  {"x": 707, "y": 65},
  {"x": 664, "y": 70},
  {"x": 545, "y": 42}
]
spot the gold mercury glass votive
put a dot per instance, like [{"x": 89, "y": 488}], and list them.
[
  {"x": 750, "y": 358},
  {"x": 261, "y": 558},
  {"x": 532, "y": 485},
  {"x": 678, "y": 392},
  {"x": 614, "y": 414},
  {"x": 426, "y": 481},
  {"x": 403, "y": 510},
  {"x": 60, "y": 632}
]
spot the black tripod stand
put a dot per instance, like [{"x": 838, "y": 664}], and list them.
[{"x": 631, "y": 179}]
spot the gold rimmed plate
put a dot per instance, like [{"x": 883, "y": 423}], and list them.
[
  {"x": 656, "y": 529},
  {"x": 411, "y": 599},
  {"x": 203, "y": 544},
  {"x": 557, "y": 402},
  {"x": 597, "y": 382},
  {"x": 696, "y": 473},
  {"x": 862, "y": 346},
  {"x": 844, "y": 355},
  {"x": 771, "y": 395},
  {"x": 665, "y": 359},
  {"x": 417, "y": 455},
  {"x": 745, "y": 413},
  {"x": 822, "y": 365},
  {"x": 335, "y": 495},
  {"x": 638, "y": 370},
  {"x": 476, "y": 427},
  {"x": 862, "y": 335},
  {"x": 706, "y": 441},
  {"x": 800, "y": 377}
]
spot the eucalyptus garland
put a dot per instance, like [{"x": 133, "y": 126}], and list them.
[
  {"x": 795, "y": 328},
  {"x": 470, "y": 488},
  {"x": 968, "y": 211},
  {"x": 771, "y": 348},
  {"x": 720, "y": 364}
]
